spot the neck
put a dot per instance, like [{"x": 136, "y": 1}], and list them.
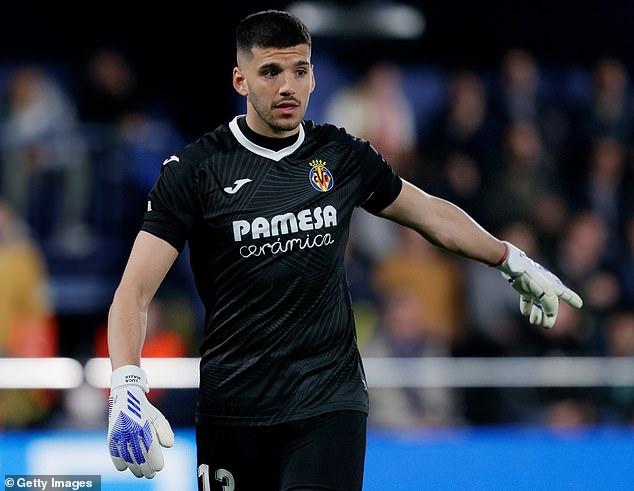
[
  {"x": 256, "y": 124},
  {"x": 272, "y": 143}
]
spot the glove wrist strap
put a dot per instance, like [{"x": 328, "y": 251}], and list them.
[
  {"x": 129, "y": 375},
  {"x": 504, "y": 257},
  {"x": 514, "y": 261}
]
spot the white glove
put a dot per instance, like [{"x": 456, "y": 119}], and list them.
[
  {"x": 540, "y": 290},
  {"x": 134, "y": 424}
]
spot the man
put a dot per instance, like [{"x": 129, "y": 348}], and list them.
[{"x": 265, "y": 203}]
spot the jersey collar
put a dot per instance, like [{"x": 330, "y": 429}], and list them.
[{"x": 261, "y": 151}]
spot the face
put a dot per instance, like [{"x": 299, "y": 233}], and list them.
[{"x": 277, "y": 83}]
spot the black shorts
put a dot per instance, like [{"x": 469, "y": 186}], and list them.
[{"x": 326, "y": 452}]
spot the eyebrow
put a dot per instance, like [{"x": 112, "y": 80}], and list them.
[{"x": 278, "y": 66}]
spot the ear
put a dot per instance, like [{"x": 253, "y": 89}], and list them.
[
  {"x": 240, "y": 82},
  {"x": 312, "y": 78}
]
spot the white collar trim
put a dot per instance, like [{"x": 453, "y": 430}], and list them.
[{"x": 261, "y": 151}]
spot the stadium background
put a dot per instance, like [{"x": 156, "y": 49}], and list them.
[{"x": 519, "y": 112}]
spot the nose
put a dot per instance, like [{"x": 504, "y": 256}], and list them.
[{"x": 288, "y": 85}]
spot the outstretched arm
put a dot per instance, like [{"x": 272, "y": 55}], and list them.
[
  {"x": 444, "y": 224},
  {"x": 447, "y": 226}
]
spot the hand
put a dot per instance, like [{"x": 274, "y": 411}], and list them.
[
  {"x": 539, "y": 289},
  {"x": 135, "y": 427}
]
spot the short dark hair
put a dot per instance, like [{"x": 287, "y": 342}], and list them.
[{"x": 271, "y": 29}]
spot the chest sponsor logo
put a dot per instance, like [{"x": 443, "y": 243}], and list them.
[
  {"x": 320, "y": 177},
  {"x": 284, "y": 224}
]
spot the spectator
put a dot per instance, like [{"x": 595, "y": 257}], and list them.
[
  {"x": 520, "y": 84},
  {"x": 569, "y": 414},
  {"x": 583, "y": 261},
  {"x": 465, "y": 127},
  {"x": 583, "y": 247},
  {"x": 402, "y": 336},
  {"x": 27, "y": 326},
  {"x": 23, "y": 291},
  {"x": 611, "y": 113},
  {"x": 574, "y": 336},
  {"x": 620, "y": 343},
  {"x": 42, "y": 143},
  {"x": 378, "y": 111},
  {"x": 525, "y": 179},
  {"x": 462, "y": 184},
  {"x": 431, "y": 276},
  {"x": 604, "y": 191},
  {"x": 110, "y": 90}
]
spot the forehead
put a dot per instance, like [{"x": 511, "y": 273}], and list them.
[{"x": 292, "y": 54}]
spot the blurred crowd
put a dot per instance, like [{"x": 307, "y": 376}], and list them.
[{"x": 537, "y": 157}]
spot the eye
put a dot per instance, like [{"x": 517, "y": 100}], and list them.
[
  {"x": 269, "y": 72},
  {"x": 302, "y": 72}
]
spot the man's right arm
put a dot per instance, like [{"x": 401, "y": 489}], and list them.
[
  {"x": 150, "y": 260},
  {"x": 136, "y": 429}
]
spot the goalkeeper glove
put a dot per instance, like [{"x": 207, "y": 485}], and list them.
[
  {"x": 135, "y": 427},
  {"x": 539, "y": 289}
]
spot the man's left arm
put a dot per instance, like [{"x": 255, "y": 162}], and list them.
[
  {"x": 444, "y": 224},
  {"x": 447, "y": 226}
]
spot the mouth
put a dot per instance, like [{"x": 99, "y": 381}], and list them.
[
  {"x": 286, "y": 105},
  {"x": 287, "y": 108}
]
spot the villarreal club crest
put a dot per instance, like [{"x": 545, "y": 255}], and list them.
[{"x": 320, "y": 178}]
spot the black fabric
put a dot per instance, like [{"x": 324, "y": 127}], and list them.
[
  {"x": 268, "y": 259},
  {"x": 265, "y": 141},
  {"x": 381, "y": 185},
  {"x": 171, "y": 204},
  {"x": 326, "y": 452}
]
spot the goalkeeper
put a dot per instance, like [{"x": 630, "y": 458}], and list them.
[{"x": 264, "y": 203}]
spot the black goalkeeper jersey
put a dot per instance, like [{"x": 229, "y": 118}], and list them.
[{"x": 267, "y": 232}]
